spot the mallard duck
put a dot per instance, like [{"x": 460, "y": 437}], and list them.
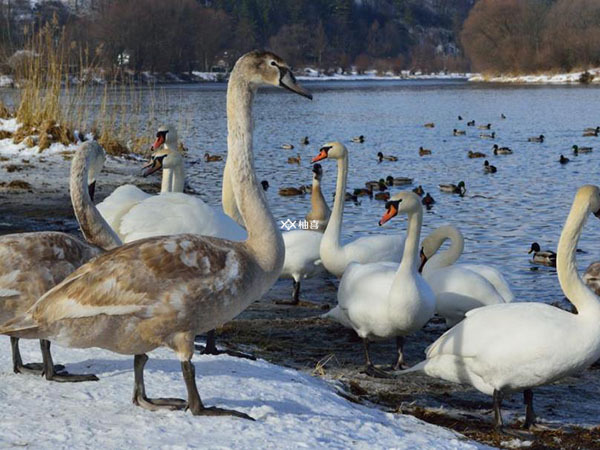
[
  {"x": 485, "y": 127},
  {"x": 577, "y": 150},
  {"x": 476, "y": 154},
  {"x": 419, "y": 190},
  {"x": 290, "y": 191},
  {"x": 502, "y": 116},
  {"x": 212, "y": 158},
  {"x": 456, "y": 132},
  {"x": 471, "y": 123},
  {"x": 424, "y": 151},
  {"x": 488, "y": 136},
  {"x": 459, "y": 188},
  {"x": 545, "y": 257},
  {"x": 287, "y": 146},
  {"x": 304, "y": 141},
  {"x": 539, "y": 138},
  {"x": 429, "y": 125},
  {"x": 563, "y": 160},
  {"x": 591, "y": 133},
  {"x": 381, "y": 157},
  {"x": 358, "y": 139},
  {"x": 294, "y": 159},
  {"x": 488, "y": 168},
  {"x": 363, "y": 192},
  {"x": 398, "y": 181},
  {"x": 265, "y": 185},
  {"x": 592, "y": 129},
  {"x": 428, "y": 201},
  {"x": 385, "y": 196},
  {"x": 501, "y": 150}
]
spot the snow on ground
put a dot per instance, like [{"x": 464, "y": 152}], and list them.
[
  {"x": 292, "y": 410},
  {"x": 559, "y": 78},
  {"x": 5, "y": 81},
  {"x": 309, "y": 74}
]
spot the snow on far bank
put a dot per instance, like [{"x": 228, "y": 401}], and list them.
[
  {"x": 309, "y": 74},
  {"x": 559, "y": 78},
  {"x": 6, "y": 81},
  {"x": 292, "y": 410}
]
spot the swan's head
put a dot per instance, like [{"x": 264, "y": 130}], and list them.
[
  {"x": 589, "y": 195},
  {"x": 165, "y": 135},
  {"x": 165, "y": 158},
  {"x": 403, "y": 202},
  {"x": 94, "y": 160},
  {"x": 332, "y": 150},
  {"x": 317, "y": 172},
  {"x": 265, "y": 68}
]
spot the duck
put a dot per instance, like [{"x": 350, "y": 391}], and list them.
[
  {"x": 428, "y": 201},
  {"x": 485, "y": 127},
  {"x": 381, "y": 157},
  {"x": 539, "y": 138},
  {"x": 488, "y": 168},
  {"x": 33, "y": 263},
  {"x": 590, "y": 133},
  {"x": 563, "y": 159},
  {"x": 515, "y": 347},
  {"x": 591, "y": 277},
  {"x": 471, "y": 123},
  {"x": 212, "y": 158},
  {"x": 459, "y": 188},
  {"x": 358, "y": 139},
  {"x": 384, "y": 300},
  {"x": 379, "y": 185},
  {"x": 398, "y": 181},
  {"x": 292, "y": 191},
  {"x": 459, "y": 288},
  {"x": 304, "y": 141},
  {"x": 459, "y": 117},
  {"x": 592, "y": 129},
  {"x": 170, "y": 212},
  {"x": 419, "y": 190},
  {"x": 488, "y": 136},
  {"x": 319, "y": 214},
  {"x": 287, "y": 146},
  {"x": 424, "y": 151},
  {"x": 456, "y": 132},
  {"x": 542, "y": 257},
  {"x": 265, "y": 185},
  {"x": 176, "y": 279},
  {"x": 429, "y": 125},
  {"x": 577, "y": 150},
  {"x": 363, "y": 192},
  {"x": 502, "y": 116},
  {"x": 502, "y": 150},
  {"x": 473, "y": 154},
  {"x": 294, "y": 159},
  {"x": 385, "y": 196},
  {"x": 335, "y": 255}
]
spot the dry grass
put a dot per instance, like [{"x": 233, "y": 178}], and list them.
[
  {"x": 4, "y": 111},
  {"x": 5, "y": 134}
]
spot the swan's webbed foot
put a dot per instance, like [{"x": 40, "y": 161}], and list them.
[
  {"x": 214, "y": 411},
  {"x": 375, "y": 372},
  {"x": 156, "y": 404},
  {"x": 211, "y": 348},
  {"x": 60, "y": 376}
]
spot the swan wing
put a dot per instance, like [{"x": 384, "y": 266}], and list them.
[
  {"x": 495, "y": 277},
  {"x": 118, "y": 203},
  {"x": 372, "y": 249},
  {"x": 302, "y": 257}
]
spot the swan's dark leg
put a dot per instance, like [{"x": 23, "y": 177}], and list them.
[
  {"x": 54, "y": 375},
  {"x": 497, "y": 396},
  {"x": 295, "y": 295},
  {"x": 194, "y": 402},
  {"x": 19, "y": 367},
  {"x": 370, "y": 369},
  {"x": 400, "y": 349},
  {"x": 211, "y": 348},
  {"x": 529, "y": 413},
  {"x": 139, "y": 390}
]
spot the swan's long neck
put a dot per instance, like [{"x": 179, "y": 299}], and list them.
[
  {"x": 452, "y": 253},
  {"x": 264, "y": 239},
  {"x": 588, "y": 304},
  {"x": 318, "y": 204},
  {"x": 332, "y": 235},
  {"x": 93, "y": 226},
  {"x": 411, "y": 245},
  {"x": 173, "y": 180},
  {"x": 227, "y": 198}
]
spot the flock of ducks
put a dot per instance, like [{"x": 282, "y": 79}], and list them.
[{"x": 156, "y": 270}]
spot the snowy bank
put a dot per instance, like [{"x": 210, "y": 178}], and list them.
[
  {"x": 310, "y": 74},
  {"x": 291, "y": 409},
  {"x": 559, "y": 78}
]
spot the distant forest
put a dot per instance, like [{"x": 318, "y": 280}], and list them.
[{"x": 180, "y": 36}]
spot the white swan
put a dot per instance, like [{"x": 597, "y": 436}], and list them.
[
  {"x": 363, "y": 250},
  {"x": 517, "y": 346},
  {"x": 302, "y": 255},
  {"x": 164, "y": 291},
  {"x": 33, "y": 263},
  {"x": 384, "y": 300},
  {"x": 459, "y": 287},
  {"x": 135, "y": 215}
]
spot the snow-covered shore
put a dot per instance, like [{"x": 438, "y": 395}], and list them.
[{"x": 543, "y": 78}]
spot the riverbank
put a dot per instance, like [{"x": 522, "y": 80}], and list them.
[{"x": 591, "y": 76}]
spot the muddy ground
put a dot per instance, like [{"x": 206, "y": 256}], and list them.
[{"x": 298, "y": 337}]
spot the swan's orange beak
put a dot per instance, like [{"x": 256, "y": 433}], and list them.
[
  {"x": 391, "y": 212},
  {"x": 160, "y": 140},
  {"x": 322, "y": 155}
]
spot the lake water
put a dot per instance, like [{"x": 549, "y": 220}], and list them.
[{"x": 527, "y": 200}]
